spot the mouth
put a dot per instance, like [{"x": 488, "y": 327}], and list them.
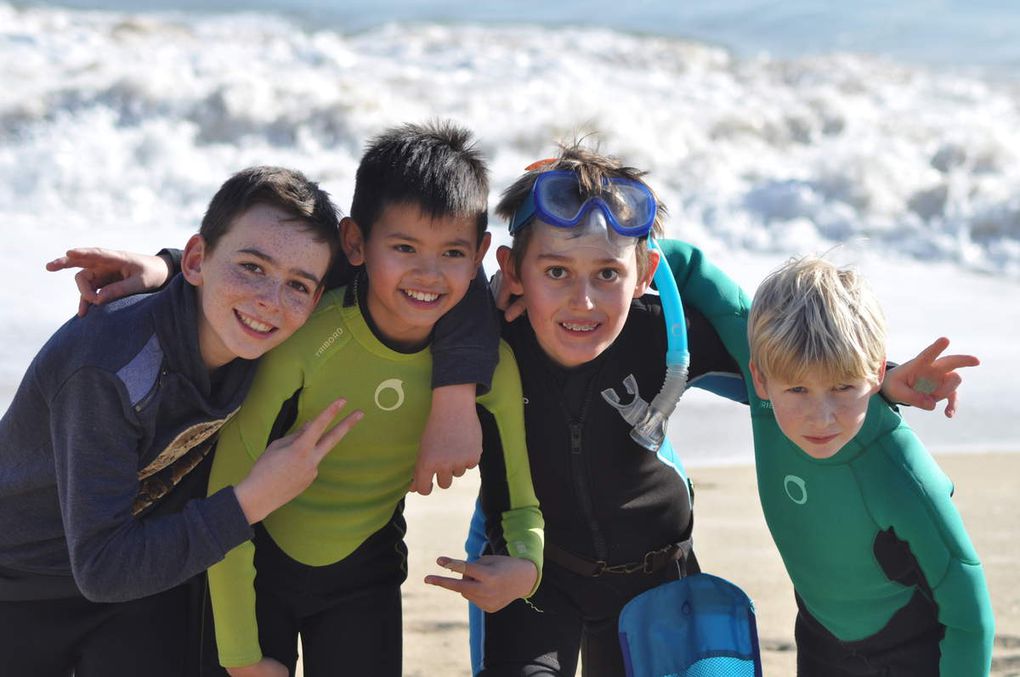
[
  {"x": 253, "y": 326},
  {"x": 421, "y": 297},
  {"x": 580, "y": 328},
  {"x": 820, "y": 439}
]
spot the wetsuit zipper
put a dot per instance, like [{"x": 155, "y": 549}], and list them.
[{"x": 583, "y": 490}]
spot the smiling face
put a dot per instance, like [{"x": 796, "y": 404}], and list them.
[
  {"x": 819, "y": 414},
  {"x": 418, "y": 268},
  {"x": 577, "y": 289},
  {"x": 257, "y": 286}
]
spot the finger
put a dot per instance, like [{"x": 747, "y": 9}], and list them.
[
  {"x": 87, "y": 287},
  {"x": 954, "y": 362},
  {"x": 457, "y": 566},
  {"x": 932, "y": 352},
  {"x": 444, "y": 478},
  {"x": 951, "y": 404},
  {"x": 335, "y": 434},
  {"x": 422, "y": 481},
  {"x": 455, "y": 584},
  {"x": 459, "y": 471},
  {"x": 120, "y": 289},
  {"x": 83, "y": 306},
  {"x": 515, "y": 310}
]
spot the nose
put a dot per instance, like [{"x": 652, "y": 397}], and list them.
[
  {"x": 270, "y": 294},
  {"x": 427, "y": 268},
  {"x": 824, "y": 411},
  {"x": 581, "y": 297}
]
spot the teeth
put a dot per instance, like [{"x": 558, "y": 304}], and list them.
[
  {"x": 260, "y": 327},
  {"x": 428, "y": 297},
  {"x": 574, "y": 326}
]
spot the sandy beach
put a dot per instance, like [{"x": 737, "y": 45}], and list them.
[{"x": 733, "y": 542}]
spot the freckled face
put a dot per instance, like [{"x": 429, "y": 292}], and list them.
[
  {"x": 819, "y": 416},
  {"x": 258, "y": 286}
]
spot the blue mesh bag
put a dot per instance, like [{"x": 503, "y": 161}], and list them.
[{"x": 698, "y": 626}]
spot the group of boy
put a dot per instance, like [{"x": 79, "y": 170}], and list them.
[{"x": 106, "y": 448}]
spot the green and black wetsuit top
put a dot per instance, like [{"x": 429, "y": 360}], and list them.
[
  {"x": 864, "y": 532},
  {"x": 363, "y": 479}
]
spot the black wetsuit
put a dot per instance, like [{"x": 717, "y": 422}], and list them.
[{"x": 605, "y": 498}]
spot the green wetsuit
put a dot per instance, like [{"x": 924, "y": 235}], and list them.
[
  {"x": 827, "y": 516},
  {"x": 362, "y": 480}
]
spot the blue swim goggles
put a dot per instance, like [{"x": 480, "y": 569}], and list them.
[{"x": 628, "y": 205}]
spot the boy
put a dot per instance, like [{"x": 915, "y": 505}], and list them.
[
  {"x": 331, "y": 562},
  {"x": 118, "y": 406},
  {"x": 618, "y": 518},
  {"x": 896, "y": 588}
]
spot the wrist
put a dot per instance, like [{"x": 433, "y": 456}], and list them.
[{"x": 247, "y": 498}]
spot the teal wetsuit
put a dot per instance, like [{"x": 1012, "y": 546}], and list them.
[
  {"x": 363, "y": 480},
  {"x": 841, "y": 524}
]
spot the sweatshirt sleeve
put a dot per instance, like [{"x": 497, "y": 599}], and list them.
[
  {"x": 242, "y": 441},
  {"x": 522, "y": 522},
  {"x": 114, "y": 556},
  {"x": 466, "y": 340}
]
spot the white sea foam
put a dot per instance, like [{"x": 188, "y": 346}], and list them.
[{"x": 115, "y": 129}]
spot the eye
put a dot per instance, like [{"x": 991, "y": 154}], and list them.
[
  {"x": 556, "y": 272},
  {"x": 404, "y": 248},
  {"x": 844, "y": 387},
  {"x": 609, "y": 275},
  {"x": 251, "y": 267},
  {"x": 299, "y": 286},
  {"x": 455, "y": 253},
  {"x": 796, "y": 389}
]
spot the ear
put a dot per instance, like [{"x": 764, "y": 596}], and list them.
[
  {"x": 192, "y": 260},
  {"x": 646, "y": 279},
  {"x": 509, "y": 270},
  {"x": 352, "y": 241},
  {"x": 881, "y": 377},
  {"x": 759, "y": 381},
  {"x": 483, "y": 248}
]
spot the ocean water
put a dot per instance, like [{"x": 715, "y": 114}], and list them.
[{"x": 769, "y": 128}]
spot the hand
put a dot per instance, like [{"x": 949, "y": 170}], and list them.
[
  {"x": 267, "y": 667},
  {"x": 451, "y": 443},
  {"x": 109, "y": 274},
  {"x": 291, "y": 463},
  {"x": 925, "y": 380},
  {"x": 512, "y": 306},
  {"x": 491, "y": 582}
]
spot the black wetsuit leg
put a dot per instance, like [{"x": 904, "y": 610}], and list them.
[
  {"x": 570, "y": 614},
  {"x": 53, "y": 638},
  {"x": 348, "y": 614}
]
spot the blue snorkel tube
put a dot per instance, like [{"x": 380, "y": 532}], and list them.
[{"x": 649, "y": 420}]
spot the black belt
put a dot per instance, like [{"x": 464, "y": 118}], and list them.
[{"x": 653, "y": 560}]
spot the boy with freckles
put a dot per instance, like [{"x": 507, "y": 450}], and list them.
[{"x": 119, "y": 408}]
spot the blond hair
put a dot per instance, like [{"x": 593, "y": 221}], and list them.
[{"x": 811, "y": 315}]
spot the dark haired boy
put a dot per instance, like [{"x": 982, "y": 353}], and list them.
[
  {"x": 119, "y": 406},
  {"x": 331, "y": 562}
]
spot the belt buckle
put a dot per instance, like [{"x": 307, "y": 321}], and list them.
[
  {"x": 649, "y": 562},
  {"x": 601, "y": 567}
]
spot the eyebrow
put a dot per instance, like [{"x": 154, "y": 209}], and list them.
[
  {"x": 299, "y": 272},
  {"x": 456, "y": 242},
  {"x": 561, "y": 257}
]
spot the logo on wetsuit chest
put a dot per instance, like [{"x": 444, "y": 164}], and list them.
[
  {"x": 389, "y": 395},
  {"x": 796, "y": 489}
]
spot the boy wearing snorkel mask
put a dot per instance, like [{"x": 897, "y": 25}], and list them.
[{"x": 618, "y": 518}]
